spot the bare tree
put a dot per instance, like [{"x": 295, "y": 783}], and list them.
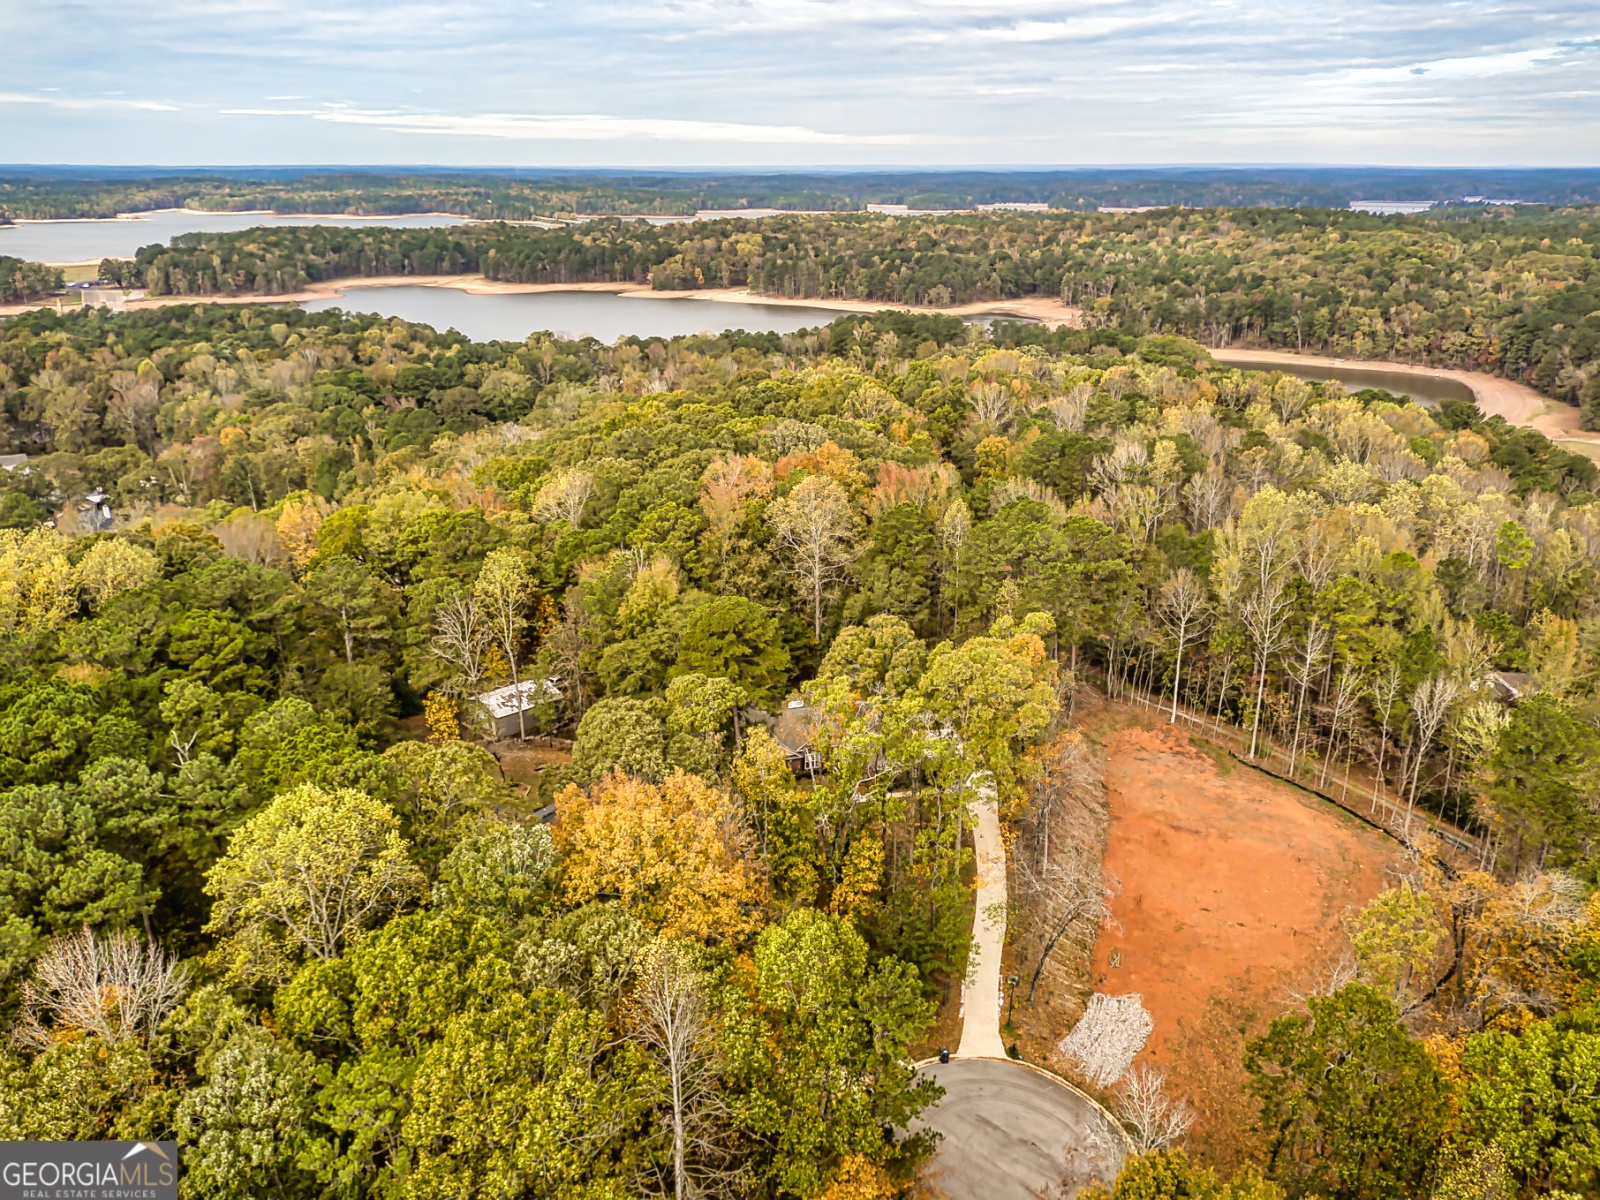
[
  {"x": 1062, "y": 889},
  {"x": 1341, "y": 717},
  {"x": 1154, "y": 1121},
  {"x": 461, "y": 638},
  {"x": 252, "y": 539},
  {"x": 994, "y": 406},
  {"x": 813, "y": 527},
  {"x": 1306, "y": 666},
  {"x": 117, "y": 987},
  {"x": 1335, "y": 971},
  {"x": 135, "y": 400},
  {"x": 1318, "y": 554},
  {"x": 565, "y": 496},
  {"x": 1264, "y": 614},
  {"x": 674, "y": 1020},
  {"x": 1206, "y": 497},
  {"x": 566, "y": 642},
  {"x": 953, "y": 530},
  {"x": 1430, "y": 704},
  {"x": 1069, "y": 409},
  {"x": 502, "y": 590},
  {"x": 1183, "y": 608},
  {"x": 185, "y": 466},
  {"x": 1385, "y": 694}
]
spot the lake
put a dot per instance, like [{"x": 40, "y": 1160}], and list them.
[
  {"x": 119, "y": 237},
  {"x": 603, "y": 315},
  {"x": 1424, "y": 389}
]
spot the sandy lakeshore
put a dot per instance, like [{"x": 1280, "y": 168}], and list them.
[
  {"x": 1516, "y": 402},
  {"x": 1043, "y": 309}
]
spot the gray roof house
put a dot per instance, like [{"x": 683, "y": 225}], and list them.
[{"x": 502, "y": 705}]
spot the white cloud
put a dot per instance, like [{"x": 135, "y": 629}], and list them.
[
  {"x": 821, "y": 81},
  {"x": 538, "y": 127},
  {"x": 85, "y": 102}
]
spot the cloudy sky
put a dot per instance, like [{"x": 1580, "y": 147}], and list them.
[{"x": 801, "y": 82}]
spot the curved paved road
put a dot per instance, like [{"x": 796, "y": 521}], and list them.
[{"x": 1012, "y": 1133}]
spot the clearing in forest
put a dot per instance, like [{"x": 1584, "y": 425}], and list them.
[{"x": 1233, "y": 886}]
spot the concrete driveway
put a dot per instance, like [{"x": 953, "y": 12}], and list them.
[{"x": 1012, "y": 1133}]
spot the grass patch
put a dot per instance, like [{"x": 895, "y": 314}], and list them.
[{"x": 1220, "y": 758}]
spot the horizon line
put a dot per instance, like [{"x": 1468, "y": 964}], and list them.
[{"x": 1006, "y": 169}]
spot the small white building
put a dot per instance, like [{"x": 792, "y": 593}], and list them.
[
  {"x": 1392, "y": 208},
  {"x": 904, "y": 210},
  {"x": 113, "y": 298},
  {"x": 502, "y": 705}
]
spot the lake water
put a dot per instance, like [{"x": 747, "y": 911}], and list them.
[
  {"x": 1424, "y": 389},
  {"x": 603, "y": 315},
  {"x": 120, "y": 237}
]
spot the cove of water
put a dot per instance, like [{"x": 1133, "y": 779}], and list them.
[
  {"x": 1426, "y": 390},
  {"x": 603, "y": 315},
  {"x": 120, "y": 237}
]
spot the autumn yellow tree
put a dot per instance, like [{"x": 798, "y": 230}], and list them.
[
  {"x": 784, "y": 821},
  {"x": 813, "y": 527},
  {"x": 297, "y": 525},
  {"x": 112, "y": 566},
  {"x": 37, "y": 583},
  {"x": 859, "y": 1178},
  {"x": 679, "y": 856}
]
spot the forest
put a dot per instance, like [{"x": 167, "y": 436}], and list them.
[
  {"x": 266, "y": 892},
  {"x": 38, "y": 193},
  {"x": 1512, "y": 294},
  {"x": 22, "y": 281}
]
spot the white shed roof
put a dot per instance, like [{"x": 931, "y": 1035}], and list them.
[{"x": 507, "y": 701}]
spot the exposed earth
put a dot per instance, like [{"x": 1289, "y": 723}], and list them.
[{"x": 1233, "y": 887}]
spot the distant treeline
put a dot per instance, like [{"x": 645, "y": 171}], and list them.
[
  {"x": 1513, "y": 293},
  {"x": 524, "y": 195}
]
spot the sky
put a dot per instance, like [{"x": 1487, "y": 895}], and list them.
[{"x": 768, "y": 83}]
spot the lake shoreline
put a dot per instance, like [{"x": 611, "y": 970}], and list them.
[
  {"x": 1494, "y": 394},
  {"x": 1036, "y": 308},
  {"x": 1043, "y": 309},
  {"x": 144, "y": 213},
  {"x": 58, "y": 241}
]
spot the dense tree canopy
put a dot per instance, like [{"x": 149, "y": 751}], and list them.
[
  {"x": 236, "y": 734},
  {"x": 1513, "y": 294}
]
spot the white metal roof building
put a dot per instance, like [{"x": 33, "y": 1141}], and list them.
[{"x": 504, "y": 703}]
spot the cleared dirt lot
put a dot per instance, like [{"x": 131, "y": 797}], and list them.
[{"x": 1233, "y": 886}]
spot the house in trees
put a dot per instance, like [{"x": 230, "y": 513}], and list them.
[
  {"x": 1511, "y": 687},
  {"x": 501, "y": 706},
  {"x": 796, "y": 733}
]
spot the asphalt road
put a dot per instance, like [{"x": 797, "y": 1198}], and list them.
[{"x": 1011, "y": 1133}]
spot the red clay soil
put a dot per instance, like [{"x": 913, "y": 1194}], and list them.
[{"x": 1233, "y": 889}]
